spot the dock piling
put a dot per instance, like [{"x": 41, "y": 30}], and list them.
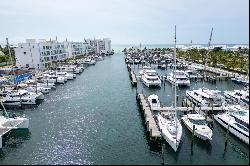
[
  {"x": 227, "y": 135},
  {"x": 193, "y": 135}
]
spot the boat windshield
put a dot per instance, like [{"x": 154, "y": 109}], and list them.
[
  {"x": 152, "y": 73},
  {"x": 198, "y": 122},
  {"x": 153, "y": 79},
  {"x": 154, "y": 101}
]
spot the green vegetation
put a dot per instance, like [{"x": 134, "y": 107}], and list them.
[
  {"x": 236, "y": 61},
  {"x": 4, "y": 55},
  {"x": 230, "y": 60}
]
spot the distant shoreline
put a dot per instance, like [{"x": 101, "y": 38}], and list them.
[{"x": 177, "y": 44}]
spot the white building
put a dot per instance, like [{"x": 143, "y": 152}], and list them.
[
  {"x": 38, "y": 54},
  {"x": 236, "y": 47},
  {"x": 100, "y": 45},
  {"x": 76, "y": 48}
]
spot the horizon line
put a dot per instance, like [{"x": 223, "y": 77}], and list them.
[{"x": 183, "y": 44}]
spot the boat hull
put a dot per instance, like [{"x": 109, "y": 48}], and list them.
[{"x": 223, "y": 122}]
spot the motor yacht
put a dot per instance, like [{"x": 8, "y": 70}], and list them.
[
  {"x": 236, "y": 120},
  {"x": 150, "y": 78},
  {"x": 179, "y": 78},
  {"x": 144, "y": 69},
  {"x": 205, "y": 97},
  {"x": 199, "y": 123},
  {"x": 154, "y": 101}
]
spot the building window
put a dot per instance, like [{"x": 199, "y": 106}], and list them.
[{"x": 24, "y": 53}]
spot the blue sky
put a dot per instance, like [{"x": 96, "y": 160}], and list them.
[{"x": 126, "y": 21}]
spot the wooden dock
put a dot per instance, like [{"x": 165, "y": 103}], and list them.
[
  {"x": 132, "y": 75},
  {"x": 150, "y": 123},
  {"x": 133, "y": 78},
  {"x": 129, "y": 67},
  {"x": 189, "y": 107}
]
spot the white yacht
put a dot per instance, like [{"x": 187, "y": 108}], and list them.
[
  {"x": 54, "y": 79},
  {"x": 244, "y": 101},
  {"x": 19, "y": 97},
  {"x": 179, "y": 78},
  {"x": 11, "y": 121},
  {"x": 69, "y": 76},
  {"x": 238, "y": 120},
  {"x": 77, "y": 70},
  {"x": 136, "y": 61},
  {"x": 47, "y": 85},
  {"x": 41, "y": 84},
  {"x": 80, "y": 67},
  {"x": 34, "y": 88},
  {"x": 235, "y": 96},
  {"x": 68, "y": 69},
  {"x": 150, "y": 78},
  {"x": 202, "y": 131},
  {"x": 154, "y": 101},
  {"x": 240, "y": 80},
  {"x": 5, "y": 121},
  {"x": 171, "y": 129},
  {"x": 205, "y": 97},
  {"x": 169, "y": 124},
  {"x": 99, "y": 58},
  {"x": 144, "y": 69},
  {"x": 90, "y": 61},
  {"x": 8, "y": 123},
  {"x": 193, "y": 73}
]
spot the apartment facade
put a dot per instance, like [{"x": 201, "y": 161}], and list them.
[
  {"x": 40, "y": 53},
  {"x": 76, "y": 48},
  {"x": 100, "y": 45}
]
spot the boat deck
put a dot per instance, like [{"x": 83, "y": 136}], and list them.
[{"x": 7, "y": 126}]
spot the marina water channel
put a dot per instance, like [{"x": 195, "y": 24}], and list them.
[{"x": 95, "y": 119}]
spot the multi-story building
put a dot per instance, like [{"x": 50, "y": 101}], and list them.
[
  {"x": 38, "y": 54},
  {"x": 100, "y": 45},
  {"x": 76, "y": 48}
]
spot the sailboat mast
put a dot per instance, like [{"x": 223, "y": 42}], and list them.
[
  {"x": 209, "y": 44},
  {"x": 175, "y": 70},
  {"x": 208, "y": 50},
  {"x": 176, "y": 126},
  {"x": 11, "y": 60}
]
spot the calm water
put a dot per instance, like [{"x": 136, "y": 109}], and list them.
[{"x": 95, "y": 120}]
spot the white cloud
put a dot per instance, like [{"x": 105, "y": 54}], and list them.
[{"x": 149, "y": 21}]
